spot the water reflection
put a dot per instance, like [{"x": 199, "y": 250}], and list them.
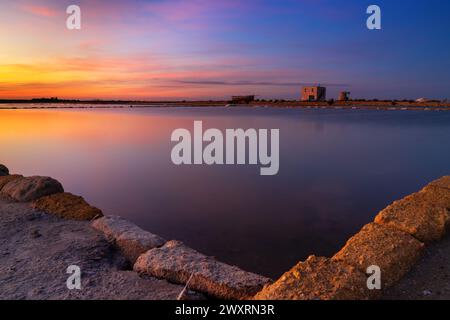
[{"x": 337, "y": 169}]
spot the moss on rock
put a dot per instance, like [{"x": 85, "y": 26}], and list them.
[{"x": 67, "y": 206}]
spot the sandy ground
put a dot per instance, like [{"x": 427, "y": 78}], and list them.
[
  {"x": 36, "y": 249},
  {"x": 429, "y": 279}
]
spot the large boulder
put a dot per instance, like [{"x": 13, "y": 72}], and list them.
[
  {"x": 394, "y": 251},
  {"x": 424, "y": 220},
  {"x": 178, "y": 263},
  {"x": 31, "y": 188},
  {"x": 131, "y": 240},
  {"x": 67, "y": 206},
  {"x": 6, "y": 179},
  {"x": 319, "y": 278},
  {"x": 3, "y": 170}
]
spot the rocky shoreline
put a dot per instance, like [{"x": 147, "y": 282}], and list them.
[
  {"x": 43, "y": 230},
  {"x": 107, "y": 248},
  {"x": 394, "y": 242}
]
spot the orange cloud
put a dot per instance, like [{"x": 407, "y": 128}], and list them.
[{"x": 139, "y": 76}]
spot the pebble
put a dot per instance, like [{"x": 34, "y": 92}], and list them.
[{"x": 427, "y": 293}]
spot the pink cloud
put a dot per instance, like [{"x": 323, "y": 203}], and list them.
[
  {"x": 40, "y": 10},
  {"x": 177, "y": 10},
  {"x": 194, "y": 14}
]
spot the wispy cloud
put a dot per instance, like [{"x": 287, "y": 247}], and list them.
[
  {"x": 255, "y": 83},
  {"x": 41, "y": 11}
]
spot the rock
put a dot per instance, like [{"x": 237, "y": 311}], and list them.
[
  {"x": 319, "y": 278},
  {"x": 3, "y": 170},
  {"x": 176, "y": 262},
  {"x": 436, "y": 196},
  {"x": 394, "y": 251},
  {"x": 35, "y": 233},
  {"x": 67, "y": 206},
  {"x": 443, "y": 182},
  {"x": 416, "y": 216},
  {"x": 131, "y": 240},
  {"x": 427, "y": 293},
  {"x": 189, "y": 295},
  {"x": 6, "y": 179},
  {"x": 31, "y": 188}
]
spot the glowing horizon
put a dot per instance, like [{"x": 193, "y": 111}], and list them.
[{"x": 199, "y": 49}]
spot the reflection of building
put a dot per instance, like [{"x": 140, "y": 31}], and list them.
[
  {"x": 242, "y": 99},
  {"x": 343, "y": 96},
  {"x": 314, "y": 93}
]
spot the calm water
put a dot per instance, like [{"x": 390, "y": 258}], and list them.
[{"x": 337, "y": 170}]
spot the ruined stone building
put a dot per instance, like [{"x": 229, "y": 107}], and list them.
[
  {"x": 317, "y": 93},
  {"x": 344, "y": 96}
]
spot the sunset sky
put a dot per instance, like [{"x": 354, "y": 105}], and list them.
[{"x": 211, "y": 49}]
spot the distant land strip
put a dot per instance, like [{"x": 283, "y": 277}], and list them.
[{"x": 55, "y": 103}]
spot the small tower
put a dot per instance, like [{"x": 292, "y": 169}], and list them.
[{"x": 344, "y": 96}]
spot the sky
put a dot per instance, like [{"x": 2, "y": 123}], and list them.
[{"x": 212, "y": 49}]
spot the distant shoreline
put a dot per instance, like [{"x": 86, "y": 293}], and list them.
[
  {"x": 340, "y": 105},
  {"x": 72, "y": 103}
]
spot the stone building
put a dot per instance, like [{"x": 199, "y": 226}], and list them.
[
  {"x": 317, "y": 93},
  {"x": 344, "y": 96}
]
